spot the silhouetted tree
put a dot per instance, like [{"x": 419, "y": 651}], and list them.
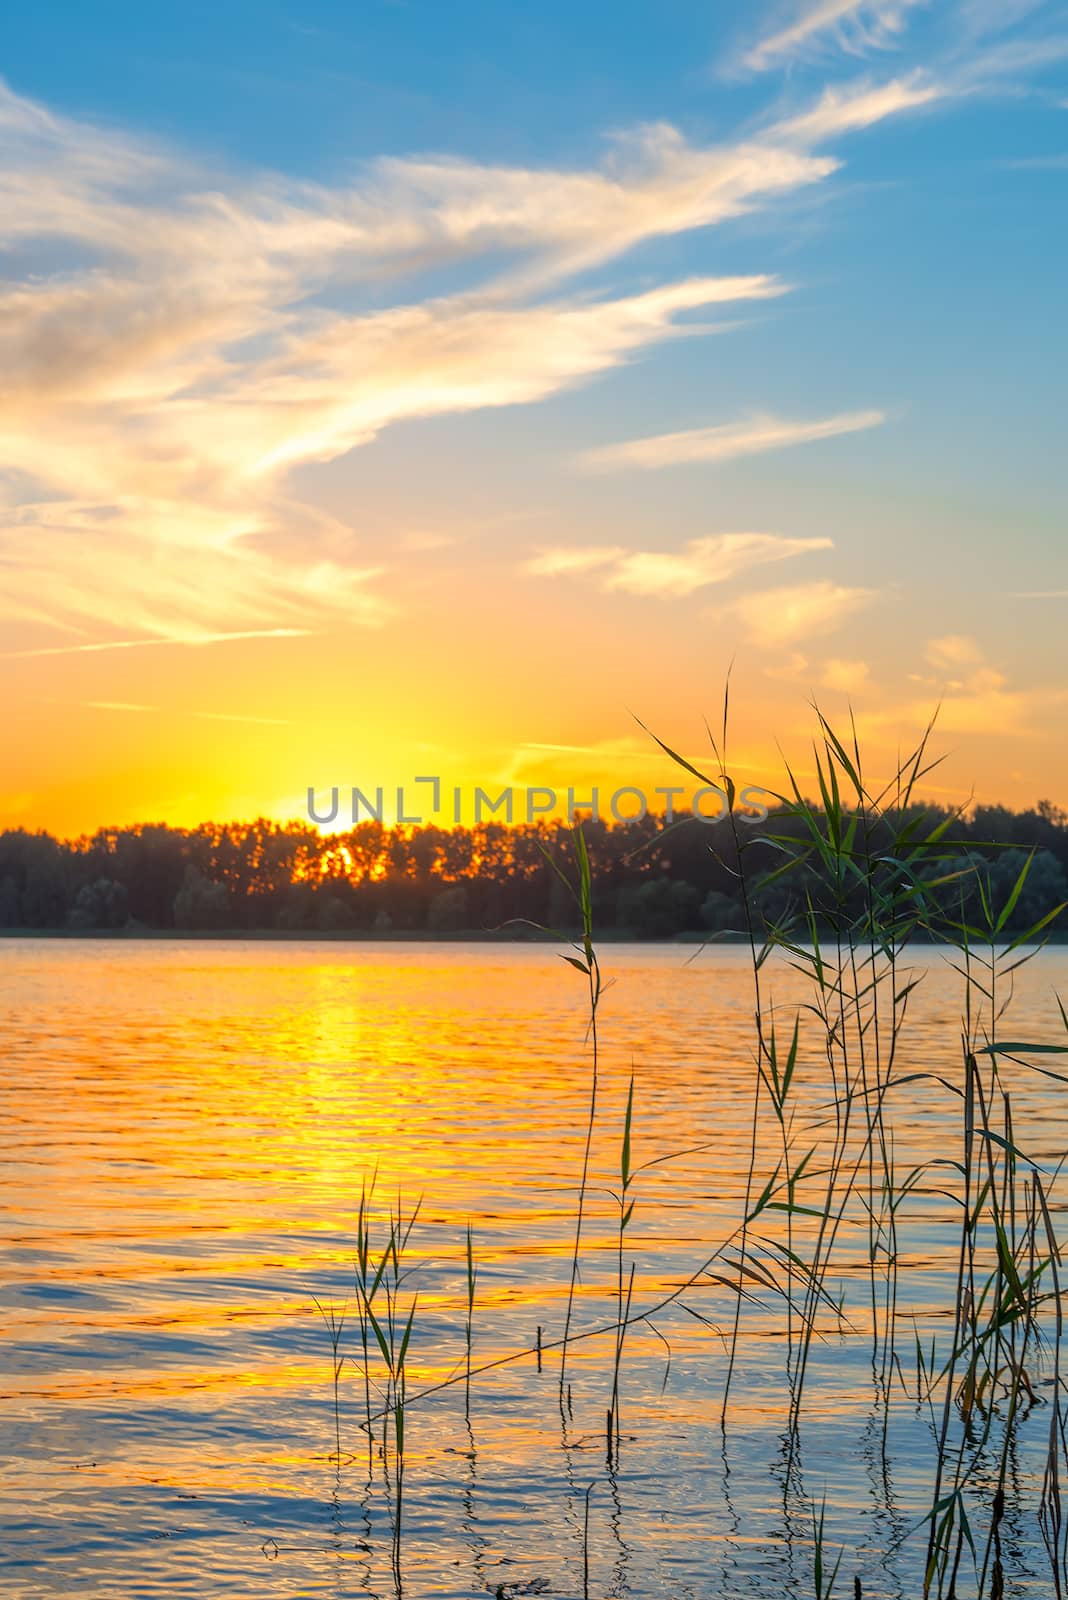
[
  {"x": 448, "y": 911},
  {"x": 102, "y": 904},
  {"x": 648, "y": 879},
  {"x": 200, "y": 903}
]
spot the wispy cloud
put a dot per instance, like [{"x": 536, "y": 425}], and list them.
[
  {"x": 961, "y": 667},
  {"x": 856, "y": 26},
  {"x": 209, "y": 716},
  {"x": 861, "y": 105},
  {"x": 192, "y": 640},
  {"x": 788, "y": 616},
  {"x": 117, "y": 705},
  {"x": 953, "y": 650},
  {"x": 972, "y": 696},
  {"x": 726, "y": 441},
  {"x": 184, "y": 341},
  {"x": 239, "y": 716},
  {"x": 535, "y": 762},
  {"x": 1055, "y": 162},
  {"x": 1013, "y": 63},
  {"x": 569, "y": 561},
  {"x": 704, "y": 562},
  {"x": 664, "y": 573},
  {"x": 337, "y": 388},
  {"x": 847, "y": 677}
]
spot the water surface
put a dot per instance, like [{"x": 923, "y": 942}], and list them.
[{"x": 186, "y": 1130}]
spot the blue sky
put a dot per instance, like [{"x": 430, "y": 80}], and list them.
[{"x": 731, "y": 331}]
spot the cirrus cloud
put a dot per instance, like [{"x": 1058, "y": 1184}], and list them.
[
  {"x": 175, "y": 342},
  {"x": 855, "y": 25},
  {"x": 726, "y": 442},
  {"x": 667, "y": 573}
]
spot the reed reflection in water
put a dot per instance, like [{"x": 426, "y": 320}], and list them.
[{"x": 187, "y": 1130}]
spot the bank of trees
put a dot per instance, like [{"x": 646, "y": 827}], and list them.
[{"x": 650, "y": 880}]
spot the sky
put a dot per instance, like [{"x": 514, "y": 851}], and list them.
[{"x": 406, "y": 389}]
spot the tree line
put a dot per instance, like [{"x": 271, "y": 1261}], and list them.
[{"x": 650, "y": 879}]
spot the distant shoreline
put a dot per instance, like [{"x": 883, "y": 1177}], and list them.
[
  {"x": 356, "y": 936},
  {"x": 401, "y": 936}
]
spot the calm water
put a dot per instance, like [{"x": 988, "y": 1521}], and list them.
[{"x": 186, "y": 1127}]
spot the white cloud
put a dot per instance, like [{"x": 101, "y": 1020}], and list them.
[
  {"x": 117, "y": 705},
  {"x": 971, "y": 696},
  {"x": 961, "y": 657},
  {"x": 848, "y": 677},
  {"x": 210, "y": 716},
  {"x": 203, "y": 336},
  {"x": 853, "y": 25},
  {"x": 791, "y": 668},
  {"x": 334, "y": 389},
  {"x": 726, "y": 441},
  {"x": 665, "y": 573},
  {"x": 140, "y": 644},
  {"x": 654, "y": 184},
  {"x": 991, "y": 712},
  {"x": 1010, "y": 63},
  {"x": 197, "y": 472},
  {"x": 558, "y": 561},
  {"x": 860, "y": 105},
  {"x": 704, "y": 561},
  {"x": 953, "y": 650},
  {"x": 795, "y": 615}
]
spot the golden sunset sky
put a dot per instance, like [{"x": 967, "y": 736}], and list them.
[{"x": 405, "y": 390}]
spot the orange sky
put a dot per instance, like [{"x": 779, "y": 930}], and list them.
[
  {"x": 358, "y": 466},
  {"x": 334, "y": 711}
]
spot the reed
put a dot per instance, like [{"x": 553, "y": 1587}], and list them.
[
  {"x": 334, "y": 1322},
  {"x": 623, "y": 1301},
  {"x": 824, "y": 1576},
  {"x": 836, "y": 891},
  {"x": 388, "y": 1315},
  {"x": 469, "y": 1321},
  {"x": 586, "y": 962}
]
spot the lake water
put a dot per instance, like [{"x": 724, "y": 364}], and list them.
[{"x": 186, "y": 1130}]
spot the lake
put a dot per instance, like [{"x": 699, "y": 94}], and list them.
[{"x": 187, "y": 1127}]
